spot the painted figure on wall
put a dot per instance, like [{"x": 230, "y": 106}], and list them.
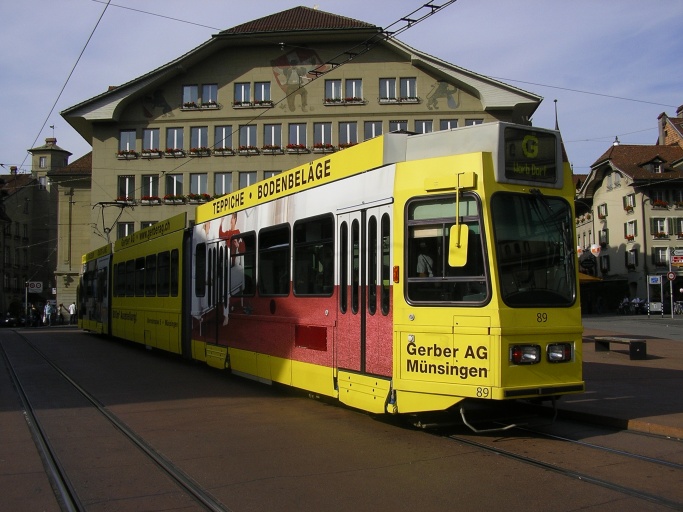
[
  {"x": 443, "y": 90},
  {"x": 292, "y": 73}
]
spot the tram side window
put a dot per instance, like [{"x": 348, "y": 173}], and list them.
[
  {"x": 386, "y": 263},
  {"x": 101, "y": 284},
  {"x": 151, "y": 275},
  {"x": 163, "y": 273},
  {"x": 273, "y": 261},
  {"x": 130, "y": 281},
  {"x": 120, "y": 279},
  {"x": 314, "y": 256},
  {"x": 242, "y": 265},
  {"x": 175, "y": 268},
  {"x": 429, "y": 276},
  {"x": 88, "y": 284},
  {"x": 200, "y": 270},
  {"x": 372, "y": 265},
  {"x": 88, "y": 277},
  {"x": 140, "y": 277},
  {"x": 114, "y": 280},
  {"x": 343, "y": 267}
]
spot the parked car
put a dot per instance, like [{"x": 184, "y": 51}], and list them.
[{"x": 9, "y": 321}]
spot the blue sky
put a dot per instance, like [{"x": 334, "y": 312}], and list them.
[{"x": 613, "y": 66}]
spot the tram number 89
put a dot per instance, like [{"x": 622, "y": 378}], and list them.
[{"x": 483, "y": 392}]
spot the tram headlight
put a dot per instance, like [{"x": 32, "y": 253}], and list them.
[
  {"x": 525, "y": 354},
  {"x": 559, "y": 352}
]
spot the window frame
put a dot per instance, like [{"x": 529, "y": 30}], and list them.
[
  {"x": 313, "y": 256},
  {"x": 274, "y": 245}
]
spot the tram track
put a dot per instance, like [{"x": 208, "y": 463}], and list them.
[
  {"x": 66, "y": 491},
  {"x": 649, "y": 478}
]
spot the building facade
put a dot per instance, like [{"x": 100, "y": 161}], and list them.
[
  {"x": 630, "y": 219},
  {"x": 72, "y": 185},
  {"x": 260, "y": 98}
]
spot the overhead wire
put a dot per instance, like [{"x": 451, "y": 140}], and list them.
[{"x": 92, "y": 33}]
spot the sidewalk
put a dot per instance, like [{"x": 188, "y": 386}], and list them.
[{"x": 643, "y": 395}]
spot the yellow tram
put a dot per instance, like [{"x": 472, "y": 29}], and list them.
[{"x": 405, "y": 274}]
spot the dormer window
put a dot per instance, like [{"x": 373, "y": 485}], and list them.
[{"x": 655, "y": 166}]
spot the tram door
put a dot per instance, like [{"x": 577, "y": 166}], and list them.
[
  {"x": 216, "y": 290},
  {"x": 364, "y": 336},
  {"x": 103, "y": 292}
]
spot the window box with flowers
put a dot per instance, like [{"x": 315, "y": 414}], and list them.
[
  {"x": 242, "y": 104},
  {"x": 208, "y": 105},
  {"x": 151, "y": 153},
  {"x": 660, "y": 235},
  {"x": 679, "y": 236},
  {"x": 173, "y": 199},
  {"x": 409, "y": 99},
  {"x": 190, "y": 105},
  {"x": 263, "y": 103},
  {"x": 125, "y": 200},
  {"x": 150, "y": 200},
  {"x": 296, "y": 149},
  {"x": 658, "y": 204},
  {"x": 223, "y": 152},
  {"x": 174, "y": 153},
  {"x": 198, "y": 198},
  {"x": 630, "y": 238},
  {"x": 200, "y": 152},
  {"x": 127, "y": 154},
  {"x": 323, "y": 148},
  {"x": 271, "y": 149},
  {"x": 352, "y": 100},
  {"x": 347, "y": 145},
  {"x": 247, "y": 150},
  {"x": 628, "y": 208}
]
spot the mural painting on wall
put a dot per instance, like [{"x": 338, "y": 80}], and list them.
[
  {"x": 443, "y": 91},
  {"x": 292, "y": 74},
  {"x": 152, "y": 102}
]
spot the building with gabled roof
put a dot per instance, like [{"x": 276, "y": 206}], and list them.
[
  {"x": 630, "y": 216},
  {"x": 671, "y": 128},
  {"x": 262, "y": 97},
  {"x": 72, "y": 184},
  {"x": 24, "y": 241}
]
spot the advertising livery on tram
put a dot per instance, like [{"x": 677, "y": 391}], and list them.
[{"x": 407, "y": 273}]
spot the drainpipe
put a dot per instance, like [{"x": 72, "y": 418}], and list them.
[
  {"x": 644, "y": 231},
  {"x": 71, "y": 202}
]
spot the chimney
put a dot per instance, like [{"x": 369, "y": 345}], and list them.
[
  {"x": 679, "y": 111},
  {"x": 13, "y": 170},
  {"x": 50, "y": 141}
]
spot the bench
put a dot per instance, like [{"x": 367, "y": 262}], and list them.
[{"x": 637, "y": 349}]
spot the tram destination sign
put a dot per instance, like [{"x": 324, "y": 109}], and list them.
[{"x": 530, "y": 156}]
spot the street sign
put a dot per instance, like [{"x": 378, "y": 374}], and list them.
[
  {"x": 654, "y": 279},
  {"x": 34, "y": 286},
  {"x": 678, "y": 252},
  {"x": 676, "y": 260},
  {"x": 671, "y": 276}
]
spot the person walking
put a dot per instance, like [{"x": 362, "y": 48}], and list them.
[
  {"x": 72, "y": 313},
  {"x": 49, "y": 310}
]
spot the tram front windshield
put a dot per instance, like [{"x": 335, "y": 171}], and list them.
[{"x": 533, "y": 241}]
